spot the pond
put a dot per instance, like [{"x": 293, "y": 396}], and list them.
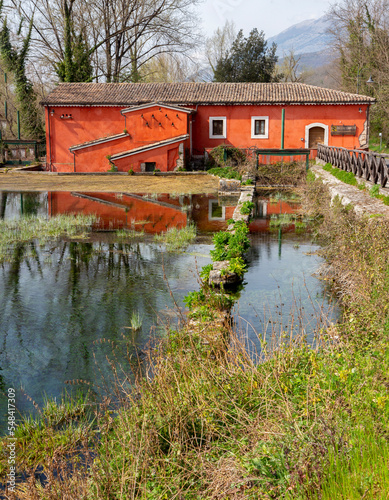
[{"x": 65, "y": 304}]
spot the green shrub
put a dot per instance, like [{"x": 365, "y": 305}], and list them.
[
  {"x": 237, "y": 266},
  {"x": 225, "y": 173},
  {"x": 205, "y": 271},
  {"x": 246, "y": 207},
  {"x": 225, "y": 155},
  {"x": 228, "y": 245},
  {"x": 194, "y": 299}
]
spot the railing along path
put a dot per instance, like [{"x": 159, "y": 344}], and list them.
[{"x": 365, "y": 164}]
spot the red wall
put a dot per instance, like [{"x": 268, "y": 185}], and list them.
[
  {"x": 296, "y": 119},
  {"x": 165, "y": 159},
  {"x": 91, "y": 123}
]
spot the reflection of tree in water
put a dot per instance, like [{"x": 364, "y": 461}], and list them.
[
  {"x": 30, "y": 203},
  {"x": 105, "y": 283},
  {"x": 3, "y": 204},
  {"x": 66, "y": 295}
]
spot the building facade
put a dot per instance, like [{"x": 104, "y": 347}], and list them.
[{"x": 140, "y": 127}]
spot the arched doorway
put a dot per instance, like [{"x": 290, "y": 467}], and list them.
[{"x": 316, "y": 133}]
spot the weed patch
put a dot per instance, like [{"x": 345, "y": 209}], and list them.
[
  {"x": 346, "y": 177},
  {"x": 177, "y": 239},
  {"x": 14, "y": 233},
  {"x": 281, "y": 174}
]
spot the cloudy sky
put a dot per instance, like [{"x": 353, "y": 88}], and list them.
[{"x": 271, "y": 16}]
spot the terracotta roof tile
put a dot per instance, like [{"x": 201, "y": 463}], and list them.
[{"x": 127, "y": 94}]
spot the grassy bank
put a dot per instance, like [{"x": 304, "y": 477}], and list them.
[{"x": 209, "y": 421}]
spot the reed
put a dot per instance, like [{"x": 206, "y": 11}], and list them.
[
  {"x": 17, "y": 231},
  {"x": 177, "y": 239}
]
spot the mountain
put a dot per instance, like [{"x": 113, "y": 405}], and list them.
[
  {"x": 311, "y": 43},
  {"x": 305, "y": 37}
]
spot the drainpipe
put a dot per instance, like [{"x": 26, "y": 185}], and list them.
[
  {"x": 49, "y": 141},
  {"x": 191, "y": 131},
  {"x": 368, "y": 123},
  {"x": 125, "y": 120},
  {"x": 190, "y": 138},
  {"x": 74, "y": 161},
  {"x": 282, "y": 128}
]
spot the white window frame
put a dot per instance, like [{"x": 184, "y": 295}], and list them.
[
  {"x": 210, "y": 204},
  {"x": 260, "y": 136},
  {"x": 224, "y": 135}
]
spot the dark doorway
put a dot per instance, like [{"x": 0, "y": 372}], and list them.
[{"x": 149, "y": 166}]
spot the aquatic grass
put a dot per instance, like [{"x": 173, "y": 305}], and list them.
[
  {"x": 177, "y": 239},
  {"x": 129, "y": 234},
  {"x": 285, "y": 220},
  {"x": 25, "y": 229},
  {"x": 136, "y": 321}
]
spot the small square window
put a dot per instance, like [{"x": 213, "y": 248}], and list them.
[
  {"x": 216, "y": 212},
  {"x": 259, "y": 127},
  {"x": 218, "y": 127}
]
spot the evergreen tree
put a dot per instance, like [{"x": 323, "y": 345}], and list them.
[
  {"x": 249, "y": 60},
  {"x": 76, "y": 65},
  {"x": 14, "y": 61}
]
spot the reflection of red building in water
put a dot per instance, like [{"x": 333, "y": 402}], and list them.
[
  {"x": 266, "y": 208},
  {"x": 155, "y": 214},
  {"x": 148, "y": 213},
  {"x": 122, "y": 210}
]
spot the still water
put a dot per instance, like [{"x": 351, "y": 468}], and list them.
[{"x": 65, "y": 304}]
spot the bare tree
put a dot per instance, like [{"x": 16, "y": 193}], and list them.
[
  {"x": 121, "y": 35},
  {"x": 169, "y": 68},
  {"x": 218, "y": 45},
  {"x": 360, "y": 30},
  {"x": 290, "y": 68}
]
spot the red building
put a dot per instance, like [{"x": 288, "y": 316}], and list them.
[{"x": 148, "y": 126}]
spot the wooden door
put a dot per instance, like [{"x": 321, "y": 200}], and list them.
[{"x": 316, "y": 136}]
